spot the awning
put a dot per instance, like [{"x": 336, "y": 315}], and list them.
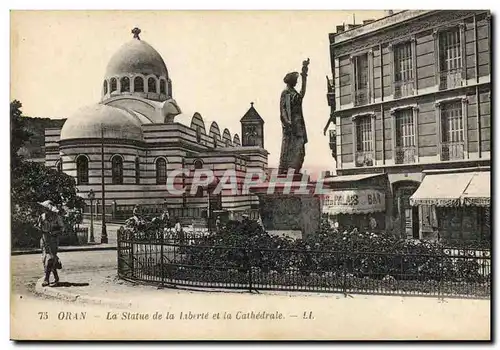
[
  {"x": 448, "y": 190},
  {"x": 478, "y": 193},
  {"x": 350, "y": 178},
  {"x": 353, "y": 201}
]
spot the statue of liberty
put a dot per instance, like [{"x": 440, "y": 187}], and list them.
[{"x": 292, "y": 121}]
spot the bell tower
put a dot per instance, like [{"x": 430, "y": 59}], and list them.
[{"x": 252, "y": 128}]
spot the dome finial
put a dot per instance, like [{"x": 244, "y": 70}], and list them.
[
  {"x": 251, "y": 104},
  {"x": 136, "y": 31}
]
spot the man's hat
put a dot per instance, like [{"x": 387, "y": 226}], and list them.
[{"x": 49, "y": 205}]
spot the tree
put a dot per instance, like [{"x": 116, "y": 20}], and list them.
[
  {"x": 18, "y": 134},
  {"x": 32, "y": 183}
]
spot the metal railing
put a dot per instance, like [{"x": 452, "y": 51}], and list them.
[
  {"x": 365, "y": 158},
  {"x": 193, "y": 260},
  {"x": 452, "y": 150},
  {"x": 450, "y": 79},
  {"x": 406, "y": 155},
  {"x": 404, "y": 88},
  {"x": 360, "y": 96}
]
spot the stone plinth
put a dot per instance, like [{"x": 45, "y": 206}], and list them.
[{"x": 290, "y": 206}]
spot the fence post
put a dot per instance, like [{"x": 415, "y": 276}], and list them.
[
  {"x": 162, "y": 269},
  {"x": 132, "y": 242},
  {"x": 118, "y": 245},
  {"x": 344, "y": 269},
  {"x": 249, "y": 268}
]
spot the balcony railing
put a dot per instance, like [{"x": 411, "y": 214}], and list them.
[
  {"x": 333, "y": 142},
  {"x": 450, "y": 79},
  {"x": 361, "y": 97},
  {"x": 452, "y": 150},
  {"x": 406, "y": 155},
  {"x": 365, "y": 158},
  {"x": 404, "y": 88}
]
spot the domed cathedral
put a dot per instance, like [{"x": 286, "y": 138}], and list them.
[{"x": 138, "y": 134}]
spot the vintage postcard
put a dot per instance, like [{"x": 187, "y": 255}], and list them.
[{"x": 250, "y": 175}]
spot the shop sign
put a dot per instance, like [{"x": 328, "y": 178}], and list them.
[{"x": 354, "y": 202}]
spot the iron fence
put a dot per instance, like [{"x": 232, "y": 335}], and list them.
[{"x": 192, "y": 260}]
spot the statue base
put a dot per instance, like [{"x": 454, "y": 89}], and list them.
[{"x": 289, "y": 205}]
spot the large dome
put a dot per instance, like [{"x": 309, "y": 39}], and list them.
[
  {"x": 134, "y": 57},
  {"x": 88, "y": 122}
]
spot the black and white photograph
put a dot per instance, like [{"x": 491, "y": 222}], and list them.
[{"x": 250, "y": 175}]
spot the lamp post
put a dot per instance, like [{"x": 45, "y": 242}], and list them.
[
  {"x": 91, "y": 196},
  {"x": 104, "y": 234}
]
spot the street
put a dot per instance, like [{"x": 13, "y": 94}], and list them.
[
  {"x": 348, "y": 317},
  {"x": 27, "y": 269}
]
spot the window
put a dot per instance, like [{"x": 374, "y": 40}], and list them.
[
  {"x": 199, "y": 192},
  {"x": 198, "y": 164},
  {"x": 450, "y": 63},
  {"x": 137, "y": 170},
  {"x": 125, "y": 84},
  {"x": 403, "y": 69},
  {"x": 452, "y": 131},
  {"x": 251, "y": 135},
  {"x": 405, "y": 150},
  {"x": 117, "y": 170},
  {"x": 138, "y": 84},
  {"x": 364, "y": 141},
  {"x": 82, "y": 170},
  {"x": 105, "y": 87},
  {"x": 59, "y": 166},
  {"x": 163, "y": 89},
  {"x": 360, "y": 79},
  {"x": 215, "y": 141},
  {"x": 198, "y": 134},
  {"x": 151, "y": 85},
  {"x": 114, "y": 84},
  {"x": 161, "y": 171}
]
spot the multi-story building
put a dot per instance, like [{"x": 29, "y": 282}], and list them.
[{"x": 410, "y": 100}]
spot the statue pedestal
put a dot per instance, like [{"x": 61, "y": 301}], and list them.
[{"x": 289, "y": 205}]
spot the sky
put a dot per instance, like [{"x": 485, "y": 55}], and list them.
[{"x": 219, "y": 62}]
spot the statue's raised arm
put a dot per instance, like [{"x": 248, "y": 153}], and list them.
[{"x": 305, "y": 69}]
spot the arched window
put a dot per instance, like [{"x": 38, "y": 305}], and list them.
[
  {"x": 200, "y": 192},
  {"x": 215, "y": 141},
  {"x": 105, "y": 86},
  {"x": 198, "y": 134},
  {"x": 137, "y": 171},
  {"x": 163, "y": 87},
  {"x": 114, "y": 84},
  {"x": 198, "y": 164},
  {"x": 59, "y": 166},
  {"x": 82, "y": 170},
  {"x": 125, "y": 84},
  {"x": 161, "y": 171},
  {"x": 138, "y": 84},
  {"x": 117, "y": 170},
  {"x": 151, "y": 85}
]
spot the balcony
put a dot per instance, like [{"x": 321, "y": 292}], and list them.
[
  {"x": 333, "y": 143},
  {"x": 365, "y": 158},
  {"x": 452, "y": 150},
  {"x": 404, "y": 88},
  {"x": 406, "y": 155},
  {"x": 330, "y": 96},
  {"x": 450, "y": 79},
  {"x": 361, "y": 97}
]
